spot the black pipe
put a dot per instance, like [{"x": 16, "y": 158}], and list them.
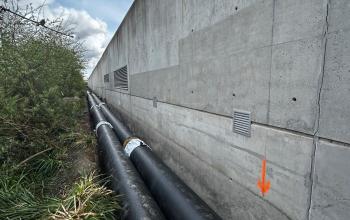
[
  {"x": 137, "y": 200},
  {"x": 121, "y": 130},
  {"x": 174, "y": 197}
]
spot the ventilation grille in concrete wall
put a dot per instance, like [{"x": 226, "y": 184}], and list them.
[
  {"x": 121, "y": 78},
  {"x": 242, "y": 123},
  {"x": 106, "y": 78}
]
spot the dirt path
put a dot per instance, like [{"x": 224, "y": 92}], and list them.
[{"x": 79, "y": 161}]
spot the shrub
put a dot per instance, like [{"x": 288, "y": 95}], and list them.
[{"x": 41, "y": 108}]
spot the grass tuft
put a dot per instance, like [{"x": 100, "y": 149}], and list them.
[{"x": 88, "y": 199}]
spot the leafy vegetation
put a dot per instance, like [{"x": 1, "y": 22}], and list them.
[{"x": 41, "y": 112}]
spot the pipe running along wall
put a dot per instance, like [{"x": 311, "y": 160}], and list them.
[
  {"x": 137, "y": 200},
  {"x": 175, "y": 198}
]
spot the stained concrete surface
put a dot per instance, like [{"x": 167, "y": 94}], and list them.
[
  {"x": 339, "y": 15},
  {"x": 296, "y": 72},
  {"x": 331, "y": 193},
  {"x": 298, "y": 19},
  {"x": 335, "y": 96}
]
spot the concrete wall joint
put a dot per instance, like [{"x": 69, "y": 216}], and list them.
[
  {"x": 317, "y": 120},
  {"x": 269, "y": 94}
]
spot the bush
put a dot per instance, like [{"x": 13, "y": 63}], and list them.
[
  {"x": 41, "y": 108},
  {"x": 32, "y": 94}
]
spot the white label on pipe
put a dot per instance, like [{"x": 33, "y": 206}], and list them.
[
  {"x": 102, "y": 123},
  {"x": 132, "y": 144},
  {"x": 93, "y": 106},
  {"x": 102, "y": 103}
]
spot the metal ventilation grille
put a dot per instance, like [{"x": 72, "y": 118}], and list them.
[
  {"x": 242, "y": 123},
  {"x": 121, "y": 78},
  {"x": 106, "y": 78}
]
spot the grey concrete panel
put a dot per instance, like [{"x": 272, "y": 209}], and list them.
[
  {"x": 120, "y": 103},
  {"x": 210, "y": 139},
  {"x": 244, "y": 30},
  {"x": 186, "y": 49},
  {"x": 97, "y": 81},
  {"x": 295, "y": 73},
  {"x": 298, "y": 19},
  {"x": 218, "y": 85},
  {"x": 248, "y": 81},
  {"x": 122, "y": 42},
  {"x": 156, "y": 28},
  {"x": 139, "y": 84},
  {"x": 338, "y": 15},
  {"x": 137, "y": 54},
  {"x": 335, "y": 95},
  {"x": 125, "y": 104},
  {"x": 331, "y": 192},
  {"x": 240, "y": 81},
  {"x": 161, "y": 83},
  {"x": 199, "y": 91},
  {"x": 198, "y": 14}
]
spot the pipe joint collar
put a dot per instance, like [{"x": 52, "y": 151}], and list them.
[
  {"x": 102, "y": 123},
  {"x": 99, "y": 105},
  {"x": 93, "y": 106},
  {"x": 132, "y": 145}
]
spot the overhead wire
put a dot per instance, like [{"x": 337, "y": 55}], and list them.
[{"x": 38, "y": 23}]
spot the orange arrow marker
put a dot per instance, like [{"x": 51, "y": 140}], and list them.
[{"x": 262, "y": 185}]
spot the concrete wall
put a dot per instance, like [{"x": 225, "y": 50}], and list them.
[{"x": 285, "y": 61}]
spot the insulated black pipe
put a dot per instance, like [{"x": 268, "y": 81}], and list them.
[
  {"x": 175, "y": 198},
  {"x": 121, "y": 130},
  {"x": 137, "y": 200}
]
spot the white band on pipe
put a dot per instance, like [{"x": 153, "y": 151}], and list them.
[
  {"x": 132, "y": 144},
  {"x": 102, "y": 123},
  {"x": 93, "y": 106},
  {"x": 99, "y": 105}
]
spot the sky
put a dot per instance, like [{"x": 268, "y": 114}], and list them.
[{"x": 94, "y": 21}]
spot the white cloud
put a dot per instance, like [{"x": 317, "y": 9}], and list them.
[
  {"x": 91, "y": 31},
  {"x": 83, "y": 23}
]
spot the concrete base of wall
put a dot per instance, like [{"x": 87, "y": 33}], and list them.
[{"x": 223, "y": 167}]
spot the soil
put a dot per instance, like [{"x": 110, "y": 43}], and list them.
[{"x": 79, "y": 161}]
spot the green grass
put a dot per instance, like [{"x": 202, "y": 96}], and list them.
[
  {"x": 39, "y": 186},
  {"x": 87, "y": 199},
  {"x": 17, "y": 201}
]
